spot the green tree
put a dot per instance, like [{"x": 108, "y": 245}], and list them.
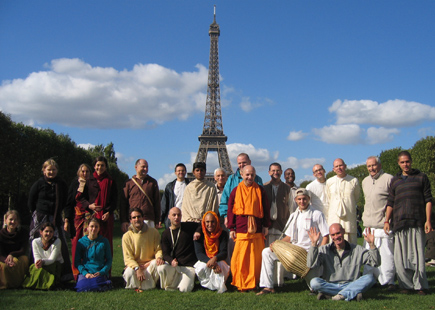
[
  {"x": 389, "y": 160},
  {"x": 23, "y": 149},
  {"x": 423, "y": 158},
  {"x": 359, "y": 172},
  {"x": 305, "y": 183}
]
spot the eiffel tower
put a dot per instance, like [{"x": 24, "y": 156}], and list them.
[{"x": 213, "y": 138}]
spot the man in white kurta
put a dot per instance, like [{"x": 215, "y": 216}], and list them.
[
  {"x": 297, "y": 228},
  {"x": 199, "y": 196},
  {"x": 343, "y": 192},
  {"x": 316, "y": 190},
  {"x": 376, "y": 187}
]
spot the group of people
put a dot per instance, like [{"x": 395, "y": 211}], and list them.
[
  {"x": 229, "y": 229},
  {"x": 89, "y": 205}
]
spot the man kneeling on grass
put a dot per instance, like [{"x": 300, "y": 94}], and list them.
[
  {"x": 341, "y": 263},
  {"x": 142, "y": 253}
]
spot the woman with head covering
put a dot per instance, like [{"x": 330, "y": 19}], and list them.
[
  {"x": 13, "y": 246},
  {"x": 100, "y": 198},
  {"x": 47, "y": 200},
  {"x": 211, "y": 251},
  {"x": 74, "y": 206},
  {"x": 93, "y": 259},
  {"x": 45, "y": 272}
]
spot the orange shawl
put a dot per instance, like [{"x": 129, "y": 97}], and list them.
[
  {"x": 248, "y": 200},
  {"x": 211, "y": 240}
]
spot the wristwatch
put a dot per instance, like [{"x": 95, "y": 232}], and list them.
[{"x": 136, "y": 268}]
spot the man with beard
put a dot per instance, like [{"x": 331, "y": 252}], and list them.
[
  {"x": 142, "y": 253},
  {"x": 409, "y": 209}
]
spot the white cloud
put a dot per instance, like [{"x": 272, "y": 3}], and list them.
[
  {"x": 351, "y": 166},
  {"x": 392, "y": 113},
  {"x": 73, "y": 93},
  {"x": 296, "y": 135},
  {"x": 247, "y": 105},
  {"x": 260, "y": 158},
  {"x": 380, "y": 135},
  {"x": 303, "y": 163},
  {"x": 339, "y": 134},
  {"x": 167, "y": 177},
  {"x": 86, "y": 146}
]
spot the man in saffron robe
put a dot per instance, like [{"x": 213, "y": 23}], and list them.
[{"x": 248, "y": 221}]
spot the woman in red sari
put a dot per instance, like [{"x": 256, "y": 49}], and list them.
[
  {"x": 75, "y": 207},
  {"x": 100, "y": 198}
]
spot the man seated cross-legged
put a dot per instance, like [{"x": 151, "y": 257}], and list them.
[{"x": 341, "y": 263}]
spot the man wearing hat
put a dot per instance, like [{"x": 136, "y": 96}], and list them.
[
  {"x": 296, "y": 232},
  {"x": 199, "y": 196}
]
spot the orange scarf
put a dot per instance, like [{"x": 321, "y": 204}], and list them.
[{"x": 211, "y": 240}]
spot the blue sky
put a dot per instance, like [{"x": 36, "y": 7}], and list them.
[{"x": 302, "y": 82}]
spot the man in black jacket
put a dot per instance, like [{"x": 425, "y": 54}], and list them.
[{"x": 173, "y": 195}]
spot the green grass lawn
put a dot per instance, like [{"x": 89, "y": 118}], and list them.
[{"x": 293, "y": 295}]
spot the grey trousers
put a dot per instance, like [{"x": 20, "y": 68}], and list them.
[{"x": 409, "y": 258}]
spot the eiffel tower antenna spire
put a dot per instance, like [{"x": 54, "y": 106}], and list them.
[{"x": 213, "y": 138}]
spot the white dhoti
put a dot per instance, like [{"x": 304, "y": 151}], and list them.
[
  {"x": 211, "y": 280},
  {"x": 151, "y": 277},
  {"x": 386, "y": 271},
  {"x": 180, "y": 278},
  {"x": 279, "y": 271}
]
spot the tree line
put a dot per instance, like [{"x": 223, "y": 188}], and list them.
[
  {"x": 423, "y": 159},
  {"x": 23, "y": 149}
]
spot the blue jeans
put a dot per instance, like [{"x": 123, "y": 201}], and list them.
[{"x": 349, "y": 290}]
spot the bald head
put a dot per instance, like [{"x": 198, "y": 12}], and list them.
[
  {"x": 339, "y": 167},
  {"x": 175, "y": 217},
  {"x": 248, "y": 174},
  {"x": 336, "y": 232},
  {"x": 141, "y": 167}
]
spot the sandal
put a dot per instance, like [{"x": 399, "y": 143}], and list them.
[{"x": 265, "y": 291}]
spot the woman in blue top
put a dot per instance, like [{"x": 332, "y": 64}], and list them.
[{"x": 93, "y": 259}]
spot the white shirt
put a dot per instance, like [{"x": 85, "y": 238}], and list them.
[
  {"x": 51, "y": 255},
  {"x": 179, "y": 188},
  {"x": 317, "y": 220},
  {"x": 318, "y": 197}
]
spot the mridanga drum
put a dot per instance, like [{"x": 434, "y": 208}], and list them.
[{"x": 292, "y": 257}]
